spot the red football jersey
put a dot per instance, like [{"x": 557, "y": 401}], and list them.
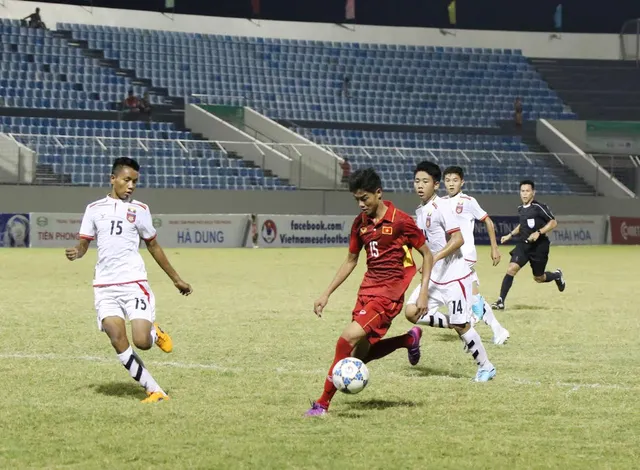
[{"x": 388, "y": 244}]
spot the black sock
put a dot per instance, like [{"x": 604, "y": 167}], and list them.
[
  {"x": 548, "y": 277},
  {"x": 506, "y": 285}
]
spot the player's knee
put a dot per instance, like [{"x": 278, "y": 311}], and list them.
[
  {"x": 411, "y": 313},
  {"x": 142, "y": 344},
  {"x": 361, "y": 349},
  {"x": 350, "y": 338},
  {"x": 460, "y": 328},
  {"x": 353, "y": 333},
  {"x": 512, "y": 270},
  {"x": 539, "y": 278},
  {"x": 118, "y": 338},
  {"x": 142, "y": 341}
]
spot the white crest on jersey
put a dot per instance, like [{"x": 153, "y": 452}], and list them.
[
  {"x": 117, "y": 226},
  {"x": 437, "y": 219}
]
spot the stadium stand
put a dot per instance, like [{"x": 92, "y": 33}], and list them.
[
  {"x": 40, "y": 71},
  {"x": 595, "y": 89},
  {"x": 84, "y": 149},
  {"x": 302, "y": 79},
  {"x": 452, "y": 101}
]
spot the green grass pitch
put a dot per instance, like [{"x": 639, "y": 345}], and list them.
[{"x": 249, "y": 355}]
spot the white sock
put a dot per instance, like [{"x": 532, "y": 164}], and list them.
[
  {"x": 154, "y": 334},
  {"x": 435, "y": 320},
  {"x": 134, "y": 365},
  {"x": 491, "y": 320},
  {"x": 476, "y": 349}
]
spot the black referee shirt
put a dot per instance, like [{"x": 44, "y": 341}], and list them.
[{"x": 532, "y": 218}]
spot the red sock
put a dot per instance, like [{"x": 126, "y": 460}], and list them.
[
  {"x": 386, "y": 346},
  {"x": 343, "y": 349}
]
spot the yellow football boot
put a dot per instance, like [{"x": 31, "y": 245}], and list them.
[{"x": 163, "y": 340}]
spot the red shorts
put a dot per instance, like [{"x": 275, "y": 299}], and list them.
[{"x": 375, "y": 314}]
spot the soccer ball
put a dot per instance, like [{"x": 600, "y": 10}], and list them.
[{"x": 350, "y": 375}]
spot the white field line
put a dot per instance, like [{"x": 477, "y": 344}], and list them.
[{"x": 281, "y": 370}]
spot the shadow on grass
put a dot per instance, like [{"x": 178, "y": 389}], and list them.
[
  {"x": 376, "y": 404},
  {"x": 431, "y": 372},
  {"x": 120, "y": 389},
  {"x": 357, "y": 409},
  {"x": 527, "y": 307}
]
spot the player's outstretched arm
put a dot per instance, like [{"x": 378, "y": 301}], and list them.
[
  {"x": 491, "y": 231},
  {"x": 77, "y": 251},
  {"x": 512, "y": 234},
  {"x": 454, "y": 243},
  {"x": 344, "y": 271},
  {"x": 161, "y": 258}
]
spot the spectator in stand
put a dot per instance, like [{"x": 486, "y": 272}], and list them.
[
  {"x": 518, "y": 112},
  {"x": 346, "y": 170},
  {"x": 35, "y": 21},
  {"x": 254, "y": 230},
  {"x": 346, "y": 85},
  {"x": 131, "y": 103},
  {"x": 145, "y": 105}
]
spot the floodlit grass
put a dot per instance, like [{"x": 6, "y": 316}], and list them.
[{"x": 249, "y": 356}]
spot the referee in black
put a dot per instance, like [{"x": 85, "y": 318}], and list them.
[{"x": 532, "y": 243}]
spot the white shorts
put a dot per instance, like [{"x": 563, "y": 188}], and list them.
[
  {"x": 133, "y": 301},
  {"x": 474, "y": 274},
  {"x": 456, "y": 295}
]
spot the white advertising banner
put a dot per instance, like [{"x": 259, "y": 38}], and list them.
[
  {"x": 202, "y": 230},
  {"x": 580, "y": 230},
  {"x": 58, "y": 230},
  {"x": 277, "y": 231},
  {"x": 54, "y": 230}
]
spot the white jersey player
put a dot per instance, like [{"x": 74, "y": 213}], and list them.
[
  {"x": 117, "y": 223},
  {"x": 451, "y": 276},
  {"x": 468, "y": 211}
]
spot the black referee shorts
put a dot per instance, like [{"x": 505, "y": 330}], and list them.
[{"x": 535, "y": 253}]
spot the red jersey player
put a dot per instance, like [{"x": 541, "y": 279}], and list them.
[{"x": 387, "y": 234}]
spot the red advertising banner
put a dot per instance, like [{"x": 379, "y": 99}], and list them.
[{"x": 625, "y": 230}]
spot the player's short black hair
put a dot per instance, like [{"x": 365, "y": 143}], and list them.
[
  {"x": 429, "y": 168},
  {"x": 523, "y": 182},
  {"x": 122, "y": 162},
  {"x": 454, "y": 170},
  {"x": 366, "y": 179}
]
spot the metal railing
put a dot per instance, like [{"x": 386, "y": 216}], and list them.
[
  {"x": 630, "y": 41},
  {"x": 69, "y": 155}
]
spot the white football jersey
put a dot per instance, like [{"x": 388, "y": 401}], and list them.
[
  {"x": 436, "y": 219},
  {"x": 468, "y": 210},
  {"x": 117, "y": 226}
]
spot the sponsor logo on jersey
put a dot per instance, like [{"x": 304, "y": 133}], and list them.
[
  {"x": 131, "y": 214},
  {"x": 388, "y": 230},
  {"x": 363, "y": 229}
]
